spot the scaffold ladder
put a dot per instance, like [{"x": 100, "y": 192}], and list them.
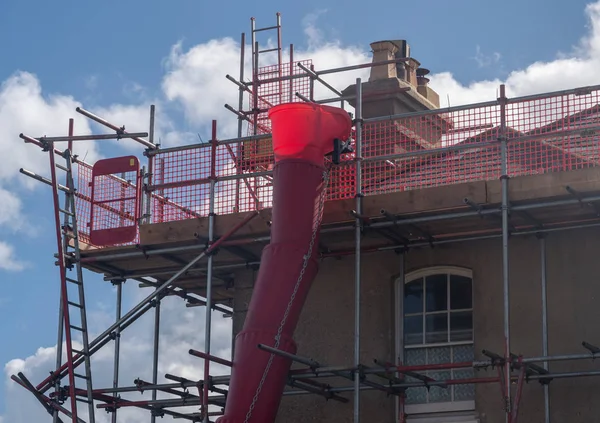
[
  {"x": 256, "y": 52},
  {"x": 71, "y": 275}
]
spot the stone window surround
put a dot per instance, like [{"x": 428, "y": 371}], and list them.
[{"x": 420, "y": 411}]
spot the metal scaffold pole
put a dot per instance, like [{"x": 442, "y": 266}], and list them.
[
  {"x": 505, "y": 259},
  {"x": 157, "y": 301},
  {"x": 209, "y": 273},
  {"x": 148, "y": 177},
  {"x": 155, "y": 350},
  {"x": 357, "y": 263},
  {"x": 240, "y": 120},
  {"x": 544, "y": 296},
  {"x": 119, "y": 302},
  {"x": 399, "y": 321}
]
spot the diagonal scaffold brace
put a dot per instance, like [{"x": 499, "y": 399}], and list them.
[{"x": 127, "y": 319}]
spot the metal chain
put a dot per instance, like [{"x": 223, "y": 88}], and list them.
[{"x": 293, "y": 297}]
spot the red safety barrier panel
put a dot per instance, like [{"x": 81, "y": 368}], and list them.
[{"x": 115, "y": 204}]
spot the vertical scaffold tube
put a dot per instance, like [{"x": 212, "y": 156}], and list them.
[
  {"x": 357, "y": 256},
  {"x": 303, "y": 134},
  {"x": 505, "y": 259},
  {"x": 545, "y": 323}
]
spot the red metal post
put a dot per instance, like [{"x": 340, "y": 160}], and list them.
[
  {"x": 291, "y": 96},
  {"x": 279, "y": 57}
]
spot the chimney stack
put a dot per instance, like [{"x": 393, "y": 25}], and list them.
[{"x": 408, "y": 71}]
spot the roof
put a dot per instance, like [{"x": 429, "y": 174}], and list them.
[{"x": 560, "y": 145}]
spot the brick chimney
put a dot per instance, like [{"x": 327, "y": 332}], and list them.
[{"x": 406, "y": 71}]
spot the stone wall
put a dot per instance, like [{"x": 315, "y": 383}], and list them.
[{"x": 325, "y": 332}]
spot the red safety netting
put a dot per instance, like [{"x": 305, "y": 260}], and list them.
[
  {"x": 430, "y": 149},
  {"x": 272, "y": 93},
  {"x": 83, "y": 199},
  {"x": 433, "y": 148},
  {"x": 557, "y": 133},
  {"x": 117, "y": 197}
]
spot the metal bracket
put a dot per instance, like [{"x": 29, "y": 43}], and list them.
[{"x": 339, "y": 148}]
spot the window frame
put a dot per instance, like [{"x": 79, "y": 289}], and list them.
[{"x": 400, "y": 283}]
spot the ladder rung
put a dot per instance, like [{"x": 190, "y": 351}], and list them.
[
  {"x": 76, "y": 282},
  {"x": 68, "y": 213},
  {"x": 74, "y": 304},
  {"x": 87, "y": 401},
  {"x": 266, "y": 29},
  {"x": 80, "y": 376},
  {"x": 268, "y": 50},
  {"x": 61, "y": 167},
  {"x": 80, "y": 329}
]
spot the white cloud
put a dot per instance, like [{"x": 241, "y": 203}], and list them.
[
  {"x": 25, "y": 108},
  {"x": 8, "y": 258},
  {"x": 196, "y": 80},
  {"x": 11, "y": 219},
  {"x": 10, "y": 208},
  {"x": 313, "y": 33}
]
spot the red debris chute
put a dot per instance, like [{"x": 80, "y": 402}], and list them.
[{"x": 303, "y": 133}]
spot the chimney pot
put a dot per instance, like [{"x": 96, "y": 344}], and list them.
[
  {"x": 422, "y": 81},
  {"x": 383, "y": 51}
]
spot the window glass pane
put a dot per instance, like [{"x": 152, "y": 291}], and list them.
[
  {"x": 413, "y": 297},
  {"x": 464, "y": 392},
  {"x": 413, "y": 330},
  {"x": 416, "y": 395},
  {"x": 436, "y": 328},
  {"x": 462, "y": 353},
  {"x": 415, "y": 356},
  {"x": 461, "y": 326},
  {"x": 438, "y": 393},
  {"x": 439, "y": 355},
  {"x": 460, "y": 292},
  {"x": 437, "y": 292}
]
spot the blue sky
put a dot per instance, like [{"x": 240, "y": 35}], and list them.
[{"x": 117, "y": 57}]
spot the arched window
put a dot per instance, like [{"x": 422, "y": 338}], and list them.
[{"x": 436, "y": 308}]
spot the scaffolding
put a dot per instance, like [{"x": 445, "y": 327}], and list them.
[{"x": 108, "y": 202}]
